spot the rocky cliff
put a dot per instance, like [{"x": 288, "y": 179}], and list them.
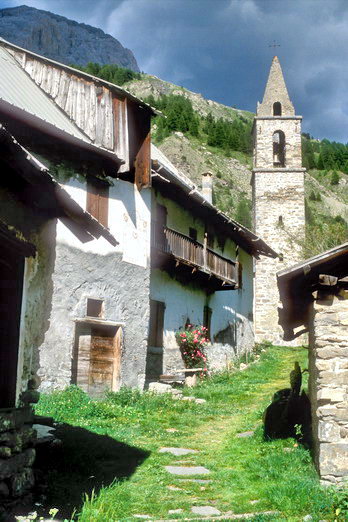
[{"x": 62, "y": 39}]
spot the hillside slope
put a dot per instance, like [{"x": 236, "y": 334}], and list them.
[{"x": 326, "y": 203}]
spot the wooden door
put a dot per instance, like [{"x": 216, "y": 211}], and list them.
[
  {"x": 99, "y": 359},
  {"x": 11, "y": 284}
]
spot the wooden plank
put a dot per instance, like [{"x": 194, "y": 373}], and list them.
[
  {"x": 83, "y": 356},
  {"x": 143, "y": 164},
  {"x": 121, "y": 131},
  {"x": 118, "y": 340},
  {"x": 98, "y": 201},
  {"x": 101, "y": 361},
  {"x": 92, "y": 205},
  {"x": 160, "y": 323},
  {"x": 139, "y": 143},
  {"x": 103, "y": 205}
]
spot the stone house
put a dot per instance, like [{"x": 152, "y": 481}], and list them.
[
  {"x": 201, "y": 271},
  {"x": 65, "y": 279},
  {"x": 94, "y": 139},
  {"x": 100, "y": 306},
  {"x": 29, "y": 200},
  {"x": 314, "y": 297}
]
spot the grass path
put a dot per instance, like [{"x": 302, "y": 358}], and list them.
[{"x": 246, "y": 474}]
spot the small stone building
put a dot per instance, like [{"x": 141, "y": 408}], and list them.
[
  {"x": 278, "y": 197},
  {"x": 314, "y": 296}
]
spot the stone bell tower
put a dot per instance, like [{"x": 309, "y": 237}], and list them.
[{"x": 278, "y": 198}]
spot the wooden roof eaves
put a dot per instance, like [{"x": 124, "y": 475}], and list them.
[
  {"x": 115, "y": 88},
  {"x": 29, "y": 119},
  {"x": 244, "y": 237},
  {"x": 304, "y": 267},
  {"x": 33, "y": 170}
]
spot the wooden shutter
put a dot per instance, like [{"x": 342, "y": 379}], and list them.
[
  {"x": 98, "y": 201},
  {"x": 207, "y": 313},
  {"x": 156, "y": 323},
  {"x": 104, "y": 205}
]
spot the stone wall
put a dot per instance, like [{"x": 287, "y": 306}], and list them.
[
  {"x": 278, "y": 199},
  {"x": 17, "y": 455},
  {"x": 328, "y": 386},
  {"x": 279, "y": 218},
  {"x": 264, "y": 129},
  {"x": 124, "y": 288}
]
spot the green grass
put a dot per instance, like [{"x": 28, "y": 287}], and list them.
[{"x": 114, "y": 457}]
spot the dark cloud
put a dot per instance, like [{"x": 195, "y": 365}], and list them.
[{"x": 220, "y": 48}]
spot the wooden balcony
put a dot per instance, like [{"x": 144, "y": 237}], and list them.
[{"x": 169, "y": 244}]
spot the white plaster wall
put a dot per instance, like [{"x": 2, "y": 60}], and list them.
[
  {"x": 179, "y": 218},
  {"x": 181, "y": 303},
  {"x": 120, "y": 276},
  {"x": 129, "y": 222},
  {"x": 231, "y": 311}
]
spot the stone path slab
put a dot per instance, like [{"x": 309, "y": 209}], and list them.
[
  {"x": 245, "y": 434},
  {"x": 178, "y": 452},
  {"x": 205, "y": 511},
  {"x": 187, "y": 470},
  {"x": 199, "y": 481}
]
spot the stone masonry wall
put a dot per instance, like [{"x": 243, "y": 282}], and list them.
[
  {"x": 264, "y": 128},
  {"x": 17, "y": 455},
  {"x": 122, "y": 286},
  {"x": 279, "y": 219},
  {"x": 328, "y": 387}
]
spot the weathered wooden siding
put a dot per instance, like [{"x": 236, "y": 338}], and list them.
[
  {"x": 108, "y": 118},
  {"x": 88, "y": 104}
]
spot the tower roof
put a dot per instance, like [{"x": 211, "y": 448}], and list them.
[{"x": 276, "y": 91}]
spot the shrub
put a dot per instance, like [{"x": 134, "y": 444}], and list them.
[
  {"x": 335, "y": 178},
  {"x": 192, "y": 341}
]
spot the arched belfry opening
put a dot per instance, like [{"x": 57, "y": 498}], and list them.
[
  {"x": 277, "y": 109},
  {"x": 278, "y": 149}
]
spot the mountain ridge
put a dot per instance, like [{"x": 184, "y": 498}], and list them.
[{"x": 62, "y": 39}]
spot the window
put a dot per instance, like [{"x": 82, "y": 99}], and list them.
[
  {"x": 279, "y": 149},
  {"x": 98, "y": 201},
  {"x": 159, "y": 226},
  {"x": 95, "y": 307},
  {"x": 277, "y": 109},
  {"x": 210, "y": 241},
  {"x": 156, "y": 323},
  {"x": 193, "y": 233},
  {"x": 207, "y": 313}
]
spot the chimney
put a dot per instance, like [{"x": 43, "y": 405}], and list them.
[{"x": 207, "y": 186}]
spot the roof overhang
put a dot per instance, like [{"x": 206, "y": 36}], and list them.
[
  {"x": 115, "y": 88},
  {"x": 298, "y": 283},
  {"x": 48, "y": 196},
  {"x": 10, "y": 113},
  {"x": 165, "y": 176}
]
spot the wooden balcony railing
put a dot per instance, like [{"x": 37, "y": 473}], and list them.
[{"x": 192, "y": 252}]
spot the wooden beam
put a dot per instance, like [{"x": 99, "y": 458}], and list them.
[{"x": 327, "y": 280}]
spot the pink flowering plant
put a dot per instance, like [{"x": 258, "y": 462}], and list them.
[{"x": 192, "y": 341}]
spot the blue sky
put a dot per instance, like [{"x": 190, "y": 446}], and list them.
[{"x": 220, "y": 48}]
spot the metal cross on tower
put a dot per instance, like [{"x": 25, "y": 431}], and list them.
[{"x": 274, "y": 44}]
